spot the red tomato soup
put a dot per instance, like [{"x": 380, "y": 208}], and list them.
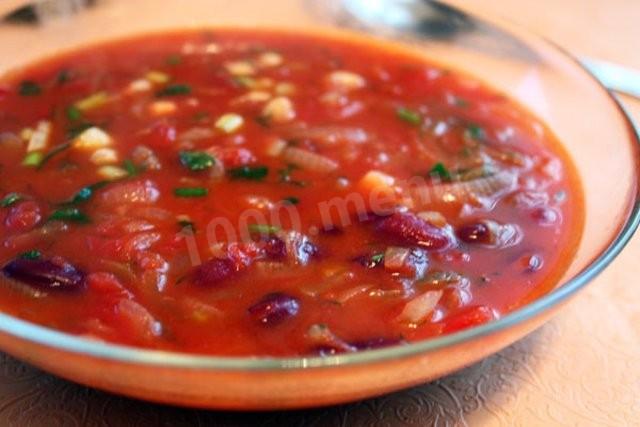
[{"x": 260, "y": 193}]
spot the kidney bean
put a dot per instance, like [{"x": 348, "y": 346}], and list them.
[
  {"x": 50, "y": 274},
  {"x": 213, "y": 271},
  {"x": 24, "y": 216},
  {"x": 477, "y": 232},
  {"x": 411, "y": 229},
  {"x": 274, "y": 309}
]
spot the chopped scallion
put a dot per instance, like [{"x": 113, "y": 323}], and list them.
[
  {"x": 69, "y": 214},
  {"x": 73, "y": 113},
  {"x": 32, "y": 254},
  {"x": 291, "y": 200},
  {"x": 53, "y": 152},
  {"x": 263, "y": 229},
  {"x": 190, "y": 192},
  {"x": 29, "y": 88},
  {"x": 174, "y": 59},
  {"x": 439, "y": 170},
  {"x": 196, "y": 160},
  {"x": 409, "y": 116},
  {"x": 10, "y": 199},
  {"x": 33, "y": 159},
  {"x": 87, "y": 192},
  {"x": 475, "y": 132},
  {"x": 174, "y": 90},
  {"x": 130, "y": 167},
  {"x": 252, "y": 173},
  {"x": 377, "y": 258}
]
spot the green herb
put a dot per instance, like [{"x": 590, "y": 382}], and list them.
[
  {"x": 475, "y": 132},
  {"x": 69, "y": 214},
  {"x": 76, "y": 130},
  {"x": 263, "y": 229},
  {"x": 263, "y": 121},
  {"x": 196, "y": 160},
  {"x": 63, "y": 76},
  {"x": 29, "y": 88},
  {"x": 87, "y": 192},
  {"x": 409, "y": 116},
  {"x": 131, "y": 168},
  {"x": 33, "y": 159},
  {"x": 291, "y": 200},
  {"x": 187, "y": 224},
  {"x": 439, "y": 170},
  {"x": 460, "y": 102},
  {"x": 32, "y": 254},
  {"x": 284, "y": 175},
  {"x": 53, "y": 152},
  {"x": 201, "y": 116},
  {"x": 377, "y": 258},
  {"x": 73, "y": 113},
  {"x": 190, "y": 192},
  {"x": 174, "y": 90},
  {"x": 251, "y": 173},
  {"x": 10, "y": 199},
  {"x": 174, "y": 59},
  {"x": 243, "y": 81}
]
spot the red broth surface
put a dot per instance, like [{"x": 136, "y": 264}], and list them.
[{"x": 259, "y": 193}]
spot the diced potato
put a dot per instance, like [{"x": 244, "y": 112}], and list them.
[
  {"x": 162, "y": 108},
  {"x": 229, "y": 122},
  {"x": 92, "y": 102},
  {"x": 285, "y": 89},
  {"x": 25, "y": 134},
  {"x": 93, "y": 138},
  {"x": 275, "y": 147},
  {"x": 255, "y": 96},
  {"x": 376, "y": 180},
  {"x": 140, "y": 85},
  {"x": 111, "y": 172},
  {"x": 104, "y": 156},
  {"x": 346, "y": 80},
  {"x": 279, "y": 110},
  {"x": 158, "y": 77},
  {"x": 269, "y": 59},
  {"x": 240, "y": 68},
  {"x": 39, "y": 139}
]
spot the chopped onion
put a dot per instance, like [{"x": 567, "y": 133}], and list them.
[
  {"x": 418, "y": 309},
  {"x": 321, "y": 335},
  {"x": 39, "y": 139},
  {"x": 329, "y": 135},
  {"x": 309, "y": 160},
  {"x": 395, "y": 258}
]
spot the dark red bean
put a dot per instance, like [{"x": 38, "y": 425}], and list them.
[
  {"x": 411, "y": 229},
  {"x": 275, "y": 248},
  {"x": 375, "y": 343},
  {"x": 477, "y": 232},
  {"x": 545, "y": 216},
  {"x": 213, "y": 271},
  {"x": 50, "y": 274},
  {"x": 370, "y": 260},
  {"x": 24, "y": 216},
  {"x": 274, "y": 309}
]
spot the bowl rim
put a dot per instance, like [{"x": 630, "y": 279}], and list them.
[{"x": 62, "y": 341}]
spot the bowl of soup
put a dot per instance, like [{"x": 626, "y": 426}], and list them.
[{"x": 234, "y": 207}]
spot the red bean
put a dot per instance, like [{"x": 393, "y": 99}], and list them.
[
  {"x": 411, "y": 229},
  {"x": 23, "y": 217},
  {"x": 274, "y": 309},
  {"x": 545, "y": 216},
  {"x": 213, "y": 272},
  {"x": 477, "y": 232},
  {"x": 275, "y": 248},
  {"x": 50, "y": 274}
]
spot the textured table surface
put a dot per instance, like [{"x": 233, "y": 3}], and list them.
[{"x": 581, "y": 369}]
